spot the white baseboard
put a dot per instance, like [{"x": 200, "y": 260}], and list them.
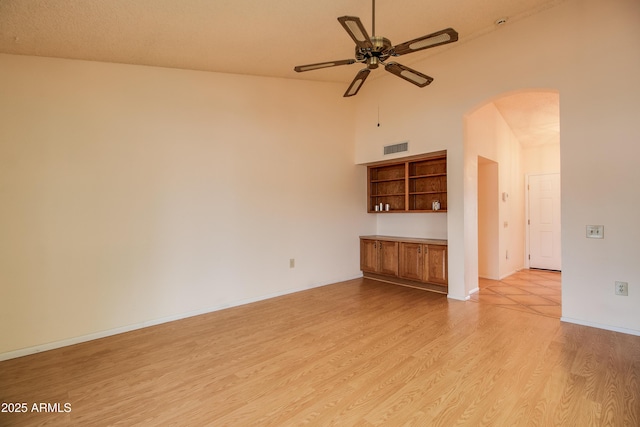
[
  {"x": 473, "y": 291},
  {"x": 102, "y": 334},
  {"x": 457, "y": 298},
  {"x": 509, "y": 274},
  {"x": 600, "y": 326}
]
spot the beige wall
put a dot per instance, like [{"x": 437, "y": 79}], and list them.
[
  {"x": 134, "y": 195},
  {"x": 488, "y": 136},
  {"x": 589, "y": 52},
  {"x": 488, "y": 219}
]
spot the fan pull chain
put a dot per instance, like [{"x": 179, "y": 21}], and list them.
[{"x": 378, "y": 116}]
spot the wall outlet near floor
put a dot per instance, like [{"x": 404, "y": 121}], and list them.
[
  {"x": 292, "y": 263},
  {"x": 595, "y": 231},
  {"x": 622, "y": 288}
]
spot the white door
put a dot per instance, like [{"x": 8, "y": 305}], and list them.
[{"x": 544, "y": 222}]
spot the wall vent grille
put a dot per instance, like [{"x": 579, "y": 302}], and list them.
[{"x": 396, "y": 148}]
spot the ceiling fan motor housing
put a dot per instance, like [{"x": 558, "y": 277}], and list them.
[{"x": 381, "y": 50}]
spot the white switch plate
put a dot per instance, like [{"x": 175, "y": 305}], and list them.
[{"x": 595, "y": 231}]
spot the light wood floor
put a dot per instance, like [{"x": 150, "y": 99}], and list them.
[
  {"x": 358, "y": 353},
  {"x": 531, "y": 291}
]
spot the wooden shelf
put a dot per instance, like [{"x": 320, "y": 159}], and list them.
[
  {"x": 427, "y": 176},
  {"x": 387, "y": 180},
  {"x": 409, "y": 185}
]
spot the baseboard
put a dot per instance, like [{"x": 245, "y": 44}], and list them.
[
  {"x": 103, "y": 334},
  {"x": 600, "y": 326},
  {"x": 509, "y": 274},
  {"x": 473, "y": 291}
]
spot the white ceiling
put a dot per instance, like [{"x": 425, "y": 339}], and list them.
[
  {"x": 534, "y": 117},
  {"x": 266, "y": 38}
]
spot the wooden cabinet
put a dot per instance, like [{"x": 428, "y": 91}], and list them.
[
  {"x": 419, "y": 263},
  {"x": 369, "y": 255},
  {"x": 409, "y": 185},
  {"x": 388, "y": 260},
  {"x": 436, "y": 264},
  {"x": 411, "y": 261},
  {"x": 379, "y": 256},
  {"x": 426, "y": 263}
]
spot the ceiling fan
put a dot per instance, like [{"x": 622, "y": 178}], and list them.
[{"x": 375, "y": 50}]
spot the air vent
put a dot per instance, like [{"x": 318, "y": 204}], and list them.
[{"x": 396, "y": 148}]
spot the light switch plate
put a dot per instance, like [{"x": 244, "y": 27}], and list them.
[{"x": 595, "y": 231}]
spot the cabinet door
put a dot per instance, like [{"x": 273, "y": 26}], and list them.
[
  {"x": 368, "y": 255},
  {"x": 436, "y": 264},
  {"x": 388, "y": 261},
  {"x": 411, "y": 261}
]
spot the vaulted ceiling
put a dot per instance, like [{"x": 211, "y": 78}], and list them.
[{"x": 265, "y": 38}]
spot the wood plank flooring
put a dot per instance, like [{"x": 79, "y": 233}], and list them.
[
  {"x": 531, "y": 291},
  {"x": 357, "y": 353}
]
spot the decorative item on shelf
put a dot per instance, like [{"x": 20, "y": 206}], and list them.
[
  {"x": 381, "y": 207},
  {"x": 436, "y": 205},
  {"x": 386, "y": 207},
  {"x": 377, "y": 208}
]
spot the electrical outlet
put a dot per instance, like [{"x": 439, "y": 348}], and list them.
[
  {"x": 292, "y": 263},
  {"x": 595, "y": 231},
  {"x": 622, "y": 288}
]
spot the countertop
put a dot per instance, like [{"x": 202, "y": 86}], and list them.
[{"x": 442, "y": 242}]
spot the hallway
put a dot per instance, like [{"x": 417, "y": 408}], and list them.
[{"x": 531, "y": 291}]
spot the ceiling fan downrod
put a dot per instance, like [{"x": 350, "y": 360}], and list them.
[{"x": 373, "y": 18}]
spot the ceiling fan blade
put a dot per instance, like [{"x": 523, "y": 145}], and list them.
[
  {"x": 356, "y": 30},
  {"x": 320, "y": 65},
  {"x": 355, "y": 85},
  {"x": 436, "y": 39},
  {"x": 410, "y": 75}
]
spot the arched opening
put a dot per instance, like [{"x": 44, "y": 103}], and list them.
[{"x": 510, "y": 140}]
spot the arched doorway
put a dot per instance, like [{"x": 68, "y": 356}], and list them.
[{"x": 507, "y": 140}]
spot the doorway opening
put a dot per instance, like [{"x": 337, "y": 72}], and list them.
[{"x": 511, "y": 142}]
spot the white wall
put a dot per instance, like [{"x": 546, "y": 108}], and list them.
[
  {"x": 489, "y": 136},
  {"x": 133, "y": 195},
  {"x": 587, "y": 50},
  {"x": 541, "y": 159},
  {"x": 488, "y": 220},
  {"x": 423, "y": 225}
]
